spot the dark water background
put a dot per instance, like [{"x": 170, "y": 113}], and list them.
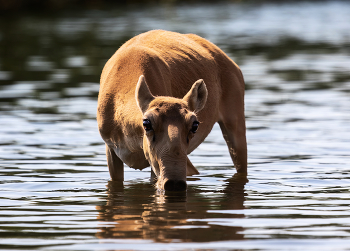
[{"x": 55, "y": 192}]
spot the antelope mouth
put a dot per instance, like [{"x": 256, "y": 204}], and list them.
[{"x": 175, "y": 186}]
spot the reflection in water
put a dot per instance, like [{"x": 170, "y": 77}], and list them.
[{"x": 138, "y": 212}]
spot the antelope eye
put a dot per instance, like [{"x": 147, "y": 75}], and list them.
[
  {"x": 195, "y": 126},
  {"x": 147, "y": 125}
]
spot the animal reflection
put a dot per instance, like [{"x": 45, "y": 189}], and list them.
[{"x": 136, "y": 212}]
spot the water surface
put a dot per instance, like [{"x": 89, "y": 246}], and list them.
[{"x": 55, "y": 192}]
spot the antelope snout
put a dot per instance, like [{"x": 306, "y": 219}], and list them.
[{"x": 175, "y": 185}]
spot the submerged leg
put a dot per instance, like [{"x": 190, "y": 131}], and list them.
[
  {"x": 234, "y": 134},
  {"x": 190, "y": 169},
  {"x": 232, "y": 118},
  {"x": 115, "y": 165},
  {"x": 153, "y": 176}
]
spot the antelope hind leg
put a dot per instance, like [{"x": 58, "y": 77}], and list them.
[{"x": 234, "y": 134}]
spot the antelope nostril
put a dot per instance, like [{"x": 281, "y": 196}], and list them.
[{"x": 175, "y": 185}]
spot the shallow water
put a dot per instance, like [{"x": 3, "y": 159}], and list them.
[{"x": 55, "y": 192}]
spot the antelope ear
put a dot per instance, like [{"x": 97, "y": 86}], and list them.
[
  {"x": 143, "y": 95},
  {"x": 197, "y": 96}
]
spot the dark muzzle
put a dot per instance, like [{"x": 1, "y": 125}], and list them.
[{"x": 175, "y": 185}]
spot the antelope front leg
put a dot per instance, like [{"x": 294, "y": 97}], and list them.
[{"x": 115, "y": 165}]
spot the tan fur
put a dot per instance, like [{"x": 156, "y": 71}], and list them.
[{"x": 171, "y": 79}]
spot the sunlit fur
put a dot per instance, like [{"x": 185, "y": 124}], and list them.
[{"x": 184, "y": 73}]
